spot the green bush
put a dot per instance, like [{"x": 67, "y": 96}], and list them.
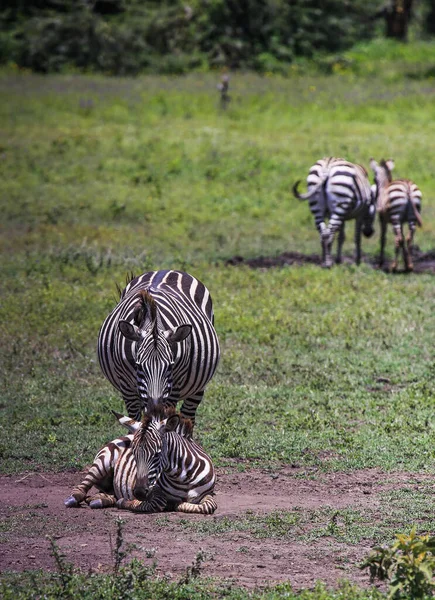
[{"x": 408, "y": 565}]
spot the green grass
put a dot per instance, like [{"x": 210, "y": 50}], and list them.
[
  {"x": 136, "y": 581},
  {"x": 395, "y": 510},
  {"x": 103, "y": 176}
]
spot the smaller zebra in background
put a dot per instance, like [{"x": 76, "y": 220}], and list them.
[
  {"x": 156, "y": 467},
  {"x": 398, "y": 201},
  {"x": 339, "y": 190}
]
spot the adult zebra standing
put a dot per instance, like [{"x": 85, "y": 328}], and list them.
[
  {"x": 397, "y": 201},
  {"x": 340, "y": 190},
  {"x": 157, "y": 466},
  {"x": 159, "y": 344}
]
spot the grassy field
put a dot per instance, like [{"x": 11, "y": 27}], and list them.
[{"x": 101, "y": 177}]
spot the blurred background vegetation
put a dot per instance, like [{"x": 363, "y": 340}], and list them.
[{"x": 126, "y": 37}]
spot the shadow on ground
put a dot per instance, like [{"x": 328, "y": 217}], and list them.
[{"x": 424, "y": 262}]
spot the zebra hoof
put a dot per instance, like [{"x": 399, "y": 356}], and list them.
[
  {"x": 327, "y": 264},
  {"x": 71, "y": 502},
  {"x": 96, "y": 504}
]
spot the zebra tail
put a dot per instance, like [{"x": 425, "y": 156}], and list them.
[
  {"x": 416, "y": 213},
  {"x": 308, "y": 194}
]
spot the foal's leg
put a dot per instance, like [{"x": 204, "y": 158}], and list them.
[
  {"x": 409, "y": 241},
  {"x": 207, "y": 506},
  {"x": 398, "y": 243}
]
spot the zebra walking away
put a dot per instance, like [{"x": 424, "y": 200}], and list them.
[
  {"x": 339, "y": 190},
  {"x": 398, "y": 201},
  {"x": 156, "y": 467},
  {"x": 159, "y": 344}
]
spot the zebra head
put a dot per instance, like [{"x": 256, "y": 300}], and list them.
[
  {"x": 369, "y": 218},
  {"x": 155, "y": 350},
  {"x": 150, "y": 451},
  {"x": 382, "y": 172}
]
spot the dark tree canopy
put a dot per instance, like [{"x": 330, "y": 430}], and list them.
[{"x": 129, "y": 36}]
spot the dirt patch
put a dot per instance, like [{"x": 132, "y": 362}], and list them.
[
  {"x": 424, "y": 262},
  {"x": 32, "y": 508}
]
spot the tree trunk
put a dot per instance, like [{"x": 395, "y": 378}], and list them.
[{"x": 397, "y": 18}]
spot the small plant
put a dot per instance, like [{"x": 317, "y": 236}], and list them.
[
  {"x": 65, "y": 569},
  {"x": 194, "y": 570},
  {"x": 408, "y": 564},
  {"x": 120, "y": 552}
]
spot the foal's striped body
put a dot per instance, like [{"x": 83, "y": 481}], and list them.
[
  {"x": 398, "y": 201},
  {"x": 157, "y": 467}
]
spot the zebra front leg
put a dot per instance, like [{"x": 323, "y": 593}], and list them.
[
  {"x": 189, "y": 406},
  {"x": 101, "y": 500},
  {"x": 358, "y": 225},
  {"x": 340, "y": 242},
  {"x": 207, "y": 506},
  {"x": 156, "y": 502}
]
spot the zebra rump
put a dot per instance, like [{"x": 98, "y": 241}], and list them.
[
  {"x": 159, "y": 344},
  {"x": 338, "y": 190},
  {"x": 174, "y": 471}
]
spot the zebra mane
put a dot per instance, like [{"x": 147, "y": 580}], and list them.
[
  {"x": 161, "y": 413},
  {"x": 128, "y": 279},
  {"x": 146, "y": 306}
]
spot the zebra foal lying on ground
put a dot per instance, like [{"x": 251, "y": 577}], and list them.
[
  {"x": 156, "y": 467},
  {"x": 339, "y": 190},
  {"x": 159, "y": 344},
  {"x": 398, "y": 201}
]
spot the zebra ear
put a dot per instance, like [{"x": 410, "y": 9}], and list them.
[
  {"x": 373, "y": 164},
  {"x": 131, "y": 424},
  {"x": 390, "y": 164},
  {"x": 178, "y": 334},
  {"x": 172, "y": 423},
  {"x": 129, "y": 331}
]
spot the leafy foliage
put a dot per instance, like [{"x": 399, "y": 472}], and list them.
[
  {"x": 408, "y": 565},
  {"x": 133, "y": 36}
]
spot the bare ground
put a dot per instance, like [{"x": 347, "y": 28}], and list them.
[
  {"x": 424, "y": 262},
  {"x": 32, "y": 508}
]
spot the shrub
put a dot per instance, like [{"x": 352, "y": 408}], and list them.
[{"x": 408, "y": 565}]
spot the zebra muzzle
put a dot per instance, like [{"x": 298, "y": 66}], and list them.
[{"x": 141, "y": 492}]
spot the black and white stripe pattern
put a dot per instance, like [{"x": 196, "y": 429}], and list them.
[
  {"x": 156, "y": 467},
  {"x": 339, "y": 190},
  {"x": 159, "y": 344},
  {"x": 398, "y": 201}
]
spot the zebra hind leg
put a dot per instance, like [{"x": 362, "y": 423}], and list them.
[
  {"x": 409, "y": 240},
  {"x": 326, "y": 248},
  {"x": 398, "y": 243},
  {"x": 207, "y": 506}
]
